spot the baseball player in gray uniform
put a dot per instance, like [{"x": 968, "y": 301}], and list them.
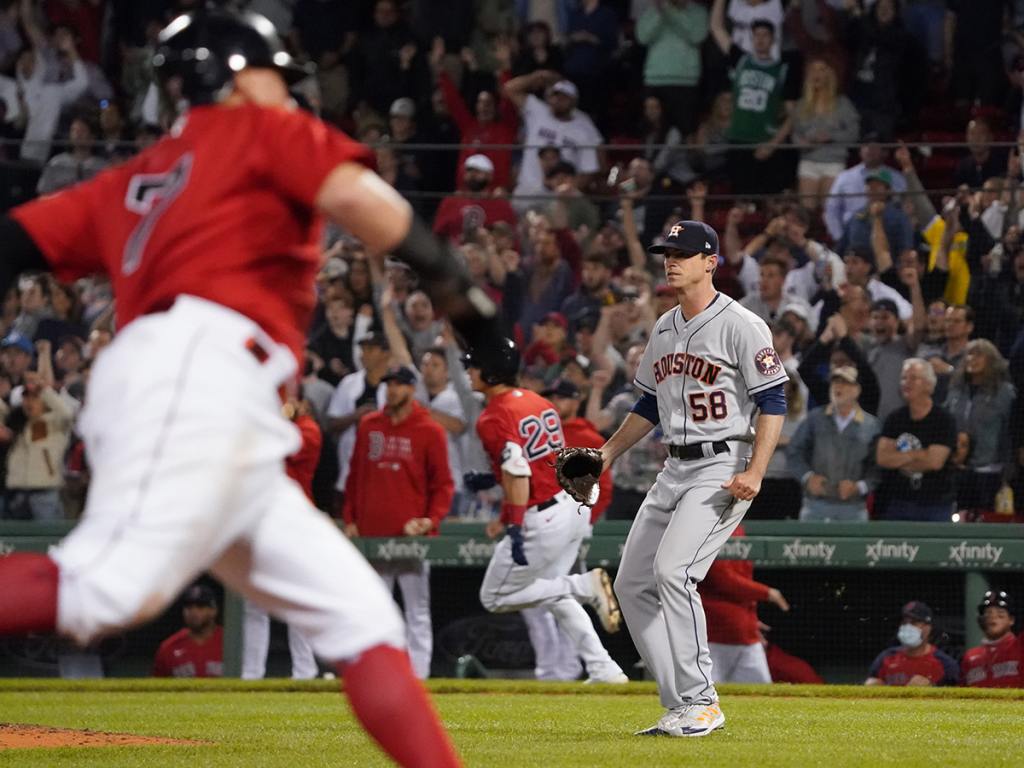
[{"x": 708, "y": 368}]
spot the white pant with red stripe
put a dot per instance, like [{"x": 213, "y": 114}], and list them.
[{"x": 186, "y": 441}]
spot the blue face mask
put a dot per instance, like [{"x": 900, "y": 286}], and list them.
[{"x": 910, "y": 636}]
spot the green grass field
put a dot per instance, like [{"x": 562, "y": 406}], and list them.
[{"x": 516, "y": 723}]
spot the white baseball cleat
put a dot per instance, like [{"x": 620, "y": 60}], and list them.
[
  {"x": 659, "y": 728},
  {"x": 604, "y": 600},
  {"x": 696, "y": 720},
  {"x": 618, "y": 678}
]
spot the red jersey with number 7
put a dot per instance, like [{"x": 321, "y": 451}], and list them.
[
  {"x": 222, "y": 209},
  {"x": 525, "y": 418}
]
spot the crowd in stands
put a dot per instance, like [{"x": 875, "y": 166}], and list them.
[{"x": 552, "y": 143}]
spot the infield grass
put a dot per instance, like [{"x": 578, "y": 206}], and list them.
[{"x": 516, "y": 723}]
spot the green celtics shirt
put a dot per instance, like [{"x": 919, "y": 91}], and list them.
[{"x": 758, "y": 92}]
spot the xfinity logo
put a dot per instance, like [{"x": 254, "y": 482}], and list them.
[
  {"x": 904, "y": 551},
  {"x": 799, "y": 550},
  {"x": 472, "y": 550},
  {"x": 737, "y": 549},
  {"x": 964, "y": 552},
  {"x": 392, "y": 549}
]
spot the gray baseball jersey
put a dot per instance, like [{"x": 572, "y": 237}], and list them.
[{"x": 705, "y": 371}]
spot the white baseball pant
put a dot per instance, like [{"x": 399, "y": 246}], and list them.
[
  {"x": 554, "y": 654},
  {"x": 739, "y": 663},
  {"x": 551, "y": 541},
  {"x": 186, "y": 441},
  {"x": 256, "y": 645},
  {"x": 414, "y": 583},
  {"x": 679, "y": 529}
]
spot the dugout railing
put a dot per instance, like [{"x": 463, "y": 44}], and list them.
[{"x": 846, "y": 583}]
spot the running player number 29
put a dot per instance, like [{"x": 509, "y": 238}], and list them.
[
  {"x": 708, "y": 405},
  {"x": 150, "y": 195},
  {"x": 543, "y": 434}
]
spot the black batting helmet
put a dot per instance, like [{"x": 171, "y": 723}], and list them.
[
  {"x": 498, "y": 363},
  {"x": 996, "y": 599},
  {"x": 208, "y": 46}
]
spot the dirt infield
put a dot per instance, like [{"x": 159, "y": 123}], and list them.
[{"x": 17, "y": 736}]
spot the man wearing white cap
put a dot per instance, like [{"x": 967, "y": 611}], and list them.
[
  {"x": 462, "y": 214},
  {"x": 552, "y": 122}
]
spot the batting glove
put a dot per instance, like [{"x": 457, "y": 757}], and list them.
[{"x": 515, "y": 535}]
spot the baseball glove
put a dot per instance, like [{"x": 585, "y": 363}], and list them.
[{"x": 577, "y": 471}]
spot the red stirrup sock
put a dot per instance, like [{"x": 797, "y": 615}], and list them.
[
  {"x": 28, "y": 594},
  {"x": 395, "y": 710}
]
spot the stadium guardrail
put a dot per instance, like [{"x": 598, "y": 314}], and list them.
[{"x": 973, "y": 550}]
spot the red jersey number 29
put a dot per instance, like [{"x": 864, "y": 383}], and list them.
[
  {"x": 150, "y": 195},
  {"x": 543, "y": 434}
]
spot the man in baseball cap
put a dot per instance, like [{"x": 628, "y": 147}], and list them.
[
  {"x": 916, "y": 661},
  {"x": 996, "y": 662},
  {"x": 197, "y": 649},
  {"x": 687, "y": 238}
]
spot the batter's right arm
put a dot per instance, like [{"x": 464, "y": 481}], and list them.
[{"x": 633, "y": 428}]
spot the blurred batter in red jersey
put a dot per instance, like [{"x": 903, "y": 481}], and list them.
[
  {"x": 520, "y": 432},
  {"x": 210, "y": 240}
]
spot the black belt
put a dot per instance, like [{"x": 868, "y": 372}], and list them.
[
  {"x": 696, "y": 450},
  {"x": 549, "y": 503}
]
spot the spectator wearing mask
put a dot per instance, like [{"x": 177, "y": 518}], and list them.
[
  {"x": 981, "y": 400},
  {"x": 848, "y": 193},
  {"x": 915, "y": 661},
  {"x": 77, "y": 164},
  {"x": 996, "y": 663},
  {"x": 914, "y": 452},
  {"x": 460, "y": 215},
  {"x": 831, "y": 454},
  {"x": 673, "y": 32},
  {"x": 400, "y": 484},
  {"x": 730, "y": 595},
  {"x": 197, "y": 649},
  {"x": 554, "y": 121}
]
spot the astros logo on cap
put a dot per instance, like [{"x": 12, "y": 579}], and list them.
[{"x": 676, "y": 229}]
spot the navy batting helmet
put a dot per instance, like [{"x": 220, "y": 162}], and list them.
[
  {"x": 996, "y": 599},
  {"x": 207, "y": 47},
  {"x": 498, "y": 363}
]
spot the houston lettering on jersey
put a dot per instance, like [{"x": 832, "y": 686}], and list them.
[{"x": 685, "y": 364}]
